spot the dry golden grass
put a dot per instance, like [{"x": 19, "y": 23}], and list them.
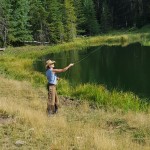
[{"x": 76, "y": 127}]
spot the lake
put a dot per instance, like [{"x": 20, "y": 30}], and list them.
[{"x": 123, "y": 68}]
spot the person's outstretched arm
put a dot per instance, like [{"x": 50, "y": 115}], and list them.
[{"x": 63, "y": 70}]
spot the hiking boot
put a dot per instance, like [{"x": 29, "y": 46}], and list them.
[
  {"x": 56, "y": 109},
  {"x": 48, "y": 112}
]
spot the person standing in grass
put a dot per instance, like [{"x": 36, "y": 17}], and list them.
[{"x": 53, "y": 101}]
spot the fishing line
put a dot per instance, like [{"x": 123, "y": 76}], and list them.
[
  {"x": 87, "y": 55},
  {"x": 76, "y": 62}
]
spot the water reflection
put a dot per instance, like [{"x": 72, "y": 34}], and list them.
[{"x": 126, "y": 68}]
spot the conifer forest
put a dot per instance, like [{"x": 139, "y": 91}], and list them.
[{"x": 57, "y": 21}]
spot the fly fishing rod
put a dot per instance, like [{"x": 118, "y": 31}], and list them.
[{"x": 78, "y": 61}]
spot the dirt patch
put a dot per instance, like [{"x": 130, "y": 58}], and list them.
[
  {"x": 5, "y": 120},
  {"x": 67, "y": 101}
]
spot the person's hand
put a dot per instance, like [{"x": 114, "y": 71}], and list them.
[
  {"x": 58, "y": 78},
  {"x": 71, "y": 65}
]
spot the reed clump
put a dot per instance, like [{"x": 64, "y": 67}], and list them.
[{"x": 100, "y": 96}]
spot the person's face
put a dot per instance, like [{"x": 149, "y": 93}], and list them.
[{"x": 52, "y": 66}]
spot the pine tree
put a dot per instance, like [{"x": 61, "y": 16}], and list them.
[
  {"x": 146, "y": 13},
  {"x": 80, "y": 17},
  {"x": 38, "y": 20},
  {"x": 2, "y": 23},
  {"x": 69, "y": 20},
  {"x": 19, "y": 19},
  {"x": 91, "y": 24},
  {"x": 98, "y": 9},
  {"x": 106, "y": 18},
  {"x": 5, "y": 23},
  {"x": 56, "y": 27}
]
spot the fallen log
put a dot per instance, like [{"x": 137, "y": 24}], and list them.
[{"x": 2, "y": 49}]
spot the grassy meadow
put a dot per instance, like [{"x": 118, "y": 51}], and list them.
[
  {"x": 90, "y": 116},
  {"x": 76, "y": 126}
]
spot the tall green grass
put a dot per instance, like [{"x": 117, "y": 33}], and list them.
[{"x": 101, "y": 97}]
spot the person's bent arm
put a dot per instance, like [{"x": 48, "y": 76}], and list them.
[{"x": 62, "y": 70}]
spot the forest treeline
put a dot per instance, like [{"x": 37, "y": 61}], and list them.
[{"x": 56, "y": 21}]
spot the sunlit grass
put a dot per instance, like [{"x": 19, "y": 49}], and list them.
[
  {"x": 20, "y": 69},
  {"x": 110, "y": 39},
  {"x": 73, "y": 128}
]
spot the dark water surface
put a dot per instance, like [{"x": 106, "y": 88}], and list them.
[{"x": 124, "y": 68}]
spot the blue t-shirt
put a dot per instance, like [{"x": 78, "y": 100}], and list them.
[{"x": 51, "y": 77}]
